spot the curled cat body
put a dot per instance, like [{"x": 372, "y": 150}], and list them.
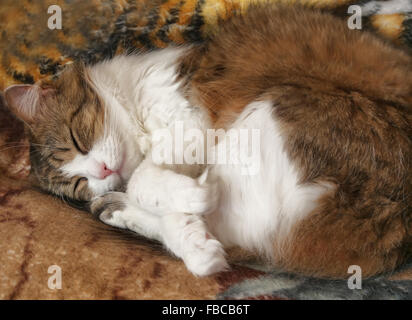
[{"x": 326, "y": 113}]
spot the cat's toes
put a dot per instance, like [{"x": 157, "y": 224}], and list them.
[
  {"x": 206, "y": 259},
  {"x": 104, "y": 206},
  {"x": 114, "y": 219}
]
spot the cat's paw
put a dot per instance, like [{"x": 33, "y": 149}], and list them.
[
  {"x": 168, "y": 192},
  {"x": 189, "y": 196},
  {"x": 206, "y": 257},
  {"x": 187, "y": 237},
  {"x": 108, "y": 208}
]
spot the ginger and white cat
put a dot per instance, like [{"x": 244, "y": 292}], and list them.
[{"x": 327, "y": 186}]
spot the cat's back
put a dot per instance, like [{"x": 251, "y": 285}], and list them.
[{"x": 272, "y": 45}]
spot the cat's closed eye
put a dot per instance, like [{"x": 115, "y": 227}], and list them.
[{"x": 77, "y": 144}]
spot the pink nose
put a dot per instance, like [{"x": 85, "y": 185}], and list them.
[{"x": 105, "y": 171}]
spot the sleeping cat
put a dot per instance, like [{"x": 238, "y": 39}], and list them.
[{"x": 331, "y": 179}]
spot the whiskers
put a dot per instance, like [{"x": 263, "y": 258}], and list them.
[
  {"x": 20, "y": 145},
  {"x": 16, "y": 145}
]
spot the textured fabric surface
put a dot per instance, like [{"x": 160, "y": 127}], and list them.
[
  {"x": 38, "y": 231},
  {"x": 94, "y": 30}
]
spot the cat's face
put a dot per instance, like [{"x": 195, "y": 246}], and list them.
[{"x": 75, "y": 151}]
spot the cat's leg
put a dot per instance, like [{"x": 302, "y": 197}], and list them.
[{"x": 186, "y": 235}]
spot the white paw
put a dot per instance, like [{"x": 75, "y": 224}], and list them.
[
  {"x": 168, "y": 192},
  {"x": 114, "y": 219},
  {"x": 186, "y": 235},
  {"x": 109, "y": 207},
  {"x": 189, "y": 196},
  {"x": 206, "y": 257}
]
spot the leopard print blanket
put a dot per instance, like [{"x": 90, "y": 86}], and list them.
[{"x": 90, "y": 31}]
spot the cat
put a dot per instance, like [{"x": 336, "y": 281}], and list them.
[{"x": 331, "y": 183}]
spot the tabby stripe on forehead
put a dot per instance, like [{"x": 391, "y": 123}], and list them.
[
  {"x": 75, "y": 113},
  {"x": 81, "y": 105}
]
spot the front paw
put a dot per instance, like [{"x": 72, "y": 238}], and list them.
[
  {"x": 190, "y": 196},
  {"x": 187, "y": 237},
  {"x": 187, "y": 195},
  {"x": 207, "y": 257},
  {"x": 108, "y": 208},
  {"x": 168, "y": 192}
]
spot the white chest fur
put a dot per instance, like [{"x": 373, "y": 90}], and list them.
[{"x": 260, "y": 208}]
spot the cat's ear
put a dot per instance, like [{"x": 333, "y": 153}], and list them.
[{"x": 24, "y": 100}]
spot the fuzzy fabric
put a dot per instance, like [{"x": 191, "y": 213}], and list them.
[
  {"x": 94, "y": 30},
  {"x": 38, "y": 231}
]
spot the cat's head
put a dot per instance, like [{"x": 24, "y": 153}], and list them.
[{"x": 75, "y": 150}]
